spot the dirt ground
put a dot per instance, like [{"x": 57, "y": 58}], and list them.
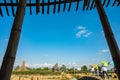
[
  {"x": 39, "y": 77},
  {"x": 60, "y": 77}
]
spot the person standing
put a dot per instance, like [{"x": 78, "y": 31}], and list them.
[
  {"x": 92, "y": 70},
  {"x": 96, "y": 70},
  {"x": 104, "y": 71}
]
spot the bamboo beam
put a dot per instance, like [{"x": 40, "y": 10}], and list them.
[
  {"x": 42, "y": 6},
  {"x": 45, "y": 4},
  {"x": 17, "y": 2},
  {"x": 30, "y": 8},
  {"x": 118, "y": 3},
  {"x": 37, "y": 6},
  {"x": 88, "y": 5},
  {"x": 115, "y": 53},
  {"x": 10, "y": 54},
  {"x": 12, "y": 8},
  {"x": 108, "y": 3},
  {"x": 84, "y": 5},
  {"x": 48, "y": 8},
  {"x": 70, "y": 5},
  {"x": 1, "y": 12},
  {"x": 6, "y": 8},
  {"x": 92, "y": 4},
  {"x": 114, "y": 3},
  {"x": 104, "y": 2},
  {"x": 77, "y": 5},
  {"x": 54, "y": 8},
  {"x": 59, "y": 6},
  {"x": 52, "y": 3},
  {"x": 64, "y": 7}
]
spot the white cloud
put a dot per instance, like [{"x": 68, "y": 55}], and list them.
[
  {"x": 39, "y": 65},
  {"x": 87, "y": 34},
  {"x": 80, "y": 27},
  {"x": 82, "y": 32},
  {"x": 104, "y": 51}
]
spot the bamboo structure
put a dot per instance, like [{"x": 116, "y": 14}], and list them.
[
  {"x": 57, "y": 7},
  {"x": 40, "y": 4},
  {"x": 109, "y": 37},
  {"x": 9, "y": 57}
]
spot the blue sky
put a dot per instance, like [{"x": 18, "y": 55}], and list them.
[{"x": 71, "y": 38}]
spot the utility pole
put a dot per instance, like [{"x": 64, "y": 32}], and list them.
[
  {"x": 109, "y": 36},
  {"x": 9, "y": 57}
]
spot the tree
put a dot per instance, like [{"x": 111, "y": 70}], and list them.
[
  {"x": 46, "y": 69},
  {"x": 39, "y": 69},
  {"x": 63, "y": 68},
  {"x": 17, "y": 68},
  {"x": 84, "y": 68},
  {"x": 28, "y": 68},
  {"x": 71, "y": 69}
]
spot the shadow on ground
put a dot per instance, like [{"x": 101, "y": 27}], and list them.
[{"x": 88, "y": 78}]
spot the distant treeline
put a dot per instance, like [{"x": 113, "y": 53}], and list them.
[
  {"x": 36, "y": 72},
  {"x": 49, "y": 71}
]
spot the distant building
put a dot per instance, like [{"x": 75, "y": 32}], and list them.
[
  {"x": 23, "y": 66},
  {"x": 55, "y": 67}
]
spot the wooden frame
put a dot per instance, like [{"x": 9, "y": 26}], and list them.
[{"x": 89, "y": 6}]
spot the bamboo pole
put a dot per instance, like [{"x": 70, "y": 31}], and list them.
[
  {"x": 9, "y": 57},
  {"x": 109, "y": 36}
]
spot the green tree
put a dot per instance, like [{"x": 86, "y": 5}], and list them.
[
  {"x": 17, "y": 68},
  {"x": 84, "y": 68},
  {"x": 46, "y": 69},
  {"x": 28, "y": 68},
  {"x": 71, "y": 69},
  {"x": 39, "y": 69},
  {"x": 63, "y": 68}
]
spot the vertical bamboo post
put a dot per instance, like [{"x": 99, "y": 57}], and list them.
[
  {"x": 9, "y": 57},
  {"x": 109, "y": 36}
]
